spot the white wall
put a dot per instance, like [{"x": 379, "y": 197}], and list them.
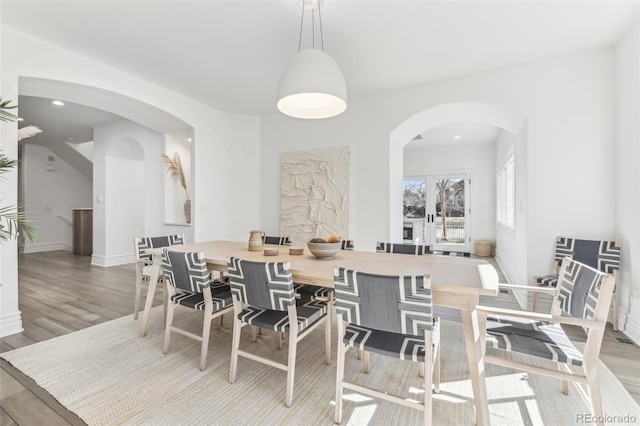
[
  {"x": 50, "y": 194},
  {"x": 479, "y": 160},
  {"x": 568, "y": 102},
  {"x": 627, "y": 174},
  {"x": 226, "y": 148}
]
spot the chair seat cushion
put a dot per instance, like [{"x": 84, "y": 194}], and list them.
[
  {"x": 395, "y": 345},
  {"x": 311, "y": 292},
  {"x": 221, "y": 296},
  {"x": 547, "y": 280},
  {"x": 535, "y": 338},
  {"x": 309, "y": 311}
]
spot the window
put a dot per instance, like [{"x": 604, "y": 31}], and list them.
[{"x": 505, "y": 194}]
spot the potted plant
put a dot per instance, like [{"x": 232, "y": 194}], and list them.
[
  {"x": 174, "y": 167},
  {"x": 13, "y": 222}
]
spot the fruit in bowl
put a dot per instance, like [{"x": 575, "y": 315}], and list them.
[{"x": 322, "y": 249}]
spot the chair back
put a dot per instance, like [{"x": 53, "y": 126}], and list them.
[
  {"x": 601, "y": 255},
  {"x": 266, "y": 285},
  {"x": 141, "y": 245},
  {"x": 186, "y": 271},
  {"x": 281, "y": 241},
  {"x": 583, "y": 292},
  {"x": 416, "y": 249},
  {"x": 347, "y": 245},
  {"x": 397, "y": 304}
]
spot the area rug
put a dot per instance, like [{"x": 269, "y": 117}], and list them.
[{"x": 107, "y": 375}]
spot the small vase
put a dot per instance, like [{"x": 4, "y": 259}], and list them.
[{"x": 187, "y": 210}]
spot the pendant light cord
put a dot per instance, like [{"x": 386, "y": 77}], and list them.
[{"x": 313, "y": 29}]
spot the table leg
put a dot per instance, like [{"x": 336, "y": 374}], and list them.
[
  {"x": 151, "y": 291},
  {"x": 476, "y": 359}
]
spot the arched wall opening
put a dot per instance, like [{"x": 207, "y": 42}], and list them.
[
  {"x": 473, "y": 112},
  {"x": 144, "y": 134}
]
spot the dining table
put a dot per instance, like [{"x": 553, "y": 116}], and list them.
[{"x": 457, "y": 282}]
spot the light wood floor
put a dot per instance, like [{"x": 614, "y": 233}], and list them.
[{"x": 60, "y": 293}]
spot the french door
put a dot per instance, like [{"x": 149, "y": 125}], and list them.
[{"x": 443, "y": 202}]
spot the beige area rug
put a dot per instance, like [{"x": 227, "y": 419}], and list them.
[{"x": 108, "y": 375}]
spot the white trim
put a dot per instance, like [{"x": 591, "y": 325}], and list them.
[
  {"x": 103, "y": 261},
  {"x": 40, "y": 247},
  {"x": 520, "y": 295},
  {"x": 11, "y": 324}
]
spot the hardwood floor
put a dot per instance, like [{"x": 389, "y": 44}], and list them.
[{"x": 60, "y": 293}]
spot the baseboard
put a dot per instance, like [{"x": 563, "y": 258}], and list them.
[
  {"x": 106, "y": 261},
  {"x": 11, "y": 324},
  {"x": 40, "y": 247},
  {"x": 520, "y": 295},
  {"x": 629, "y": 325}
]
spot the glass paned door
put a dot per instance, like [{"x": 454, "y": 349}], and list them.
[{"x": 447, "y": 212}]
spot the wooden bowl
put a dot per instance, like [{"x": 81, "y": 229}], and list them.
[
  {"x": 271, "y": 252},
  {"x": 296, "y": 251},
  {"x": 324, "y": 250}
]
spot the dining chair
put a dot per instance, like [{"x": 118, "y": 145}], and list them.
[
  {"x": 144, "y": 259},
  {"x": 189, "y": 284},
  {"x": 390, "y": 316},
  {"x": 263, "y": 296},
  {"x": 417, "y": 249},
  {"x": 582, "y": 298},
  {"x": 601, "y": 255},
  {"x": 452, "y": 253},
  {"x": 281, "y": 241},
  {"x": 314, "y": 292}
]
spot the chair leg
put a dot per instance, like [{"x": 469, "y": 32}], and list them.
[
  {"x": 565, "y": 383},
  {"x": 280, "y": 339},
  {"x": 327, "y": 338},
  {"x": 206, "y": 330},
  {"x": 593, "y": 387},
  {"x": 291, "y": 368},
  {"x": 366, "y": 362},
  {"x": 136, "y": 304},
  {"x": 254, "y": 333},
  {"x": 436, "y": 370},
  {"x": 614, "y": 304},
  {"x": 421, "y": 369},
  {"x": 165, "y": 300},
  {"x": 235, "y": 344},
  {"x": 167, "y": 327},
  {"x": 342, "y": 348},
  {"x": 534, "y": 306},
  {"x": 359, "y": 353}
]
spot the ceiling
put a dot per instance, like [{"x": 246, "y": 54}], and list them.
[
  {"x": 230, "y": 54},
  {"x": 455, "y": 134}
]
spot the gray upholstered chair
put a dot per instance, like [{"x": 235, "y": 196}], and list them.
[
  {"x": 582, "y": 298},
  {"x": 451, "y": 253},
  {"x": 189, "y": 284},
  {"x": 390, "y": 316},
  {"x": 311, "y": 292},
  {"x": 143, "y": 261},
  {"x": 263, "y": 297},
  {"x": 416, "y": 249},
  {"x": 281, "y": 241},
  {"x": 601, "y": 255}
]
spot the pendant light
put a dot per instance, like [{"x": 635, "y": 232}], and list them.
[{"x": 312, "y": 85}]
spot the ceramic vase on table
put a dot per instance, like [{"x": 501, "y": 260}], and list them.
[{"x": 187, "y": 210}]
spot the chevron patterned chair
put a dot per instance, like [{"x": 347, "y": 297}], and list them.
[
  {"x": 582, "y": 298},
  {"x": 416, "y": 249},
  {"x": 143, "y": 261},
  {"x": 601, "y": 255},
  {"x": 281, "y": 241},
  {"x": 189, "y": 284},
  {"x": 263, "y": 297},
  {"x": 312, "y": 292},
  {"x": 390, "y": 316}
]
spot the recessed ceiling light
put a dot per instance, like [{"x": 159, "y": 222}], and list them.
[
  {"x": 457, "y": 137},
  {"x": 20, "y": 119},
  {"x": 188, "y": 139},
  {"x": 59, "y": 103}
]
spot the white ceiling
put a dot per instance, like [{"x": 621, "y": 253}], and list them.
[
  {"x": 230, "y": 54},
  {"x": 455, "y": 134}
]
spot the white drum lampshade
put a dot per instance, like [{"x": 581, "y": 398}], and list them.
[{"x": 312, "y": 86}]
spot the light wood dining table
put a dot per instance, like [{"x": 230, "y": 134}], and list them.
[{"x": 457, "y": 283}]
